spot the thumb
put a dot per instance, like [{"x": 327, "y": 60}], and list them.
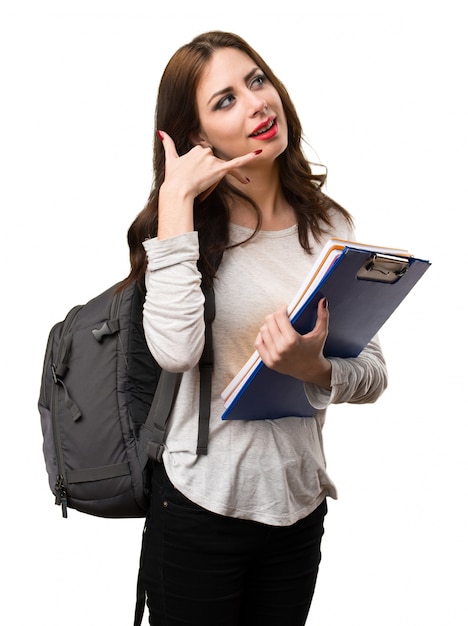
[
  {"x": 322, "y": 312},
  {"x": 321, "y": 325},
  {"x": 168, "y": 145}
]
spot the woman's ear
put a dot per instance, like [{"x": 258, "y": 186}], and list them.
[{"x": 197, "y": 139}]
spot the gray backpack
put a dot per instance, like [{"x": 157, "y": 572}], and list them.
[{"x": 104, "y": 403}]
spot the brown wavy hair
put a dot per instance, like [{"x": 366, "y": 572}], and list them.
[{"x": 177, "y": 114}]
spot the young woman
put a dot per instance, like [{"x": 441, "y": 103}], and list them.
[{"x": 233, "y": 537}]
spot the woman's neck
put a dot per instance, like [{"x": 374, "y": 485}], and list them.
[{"x": 266, "y": 192}]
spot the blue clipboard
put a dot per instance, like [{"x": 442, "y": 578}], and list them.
[{"x": 363, "y": 289}]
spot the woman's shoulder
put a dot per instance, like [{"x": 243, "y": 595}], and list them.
[{"x": 340, "y": 225}]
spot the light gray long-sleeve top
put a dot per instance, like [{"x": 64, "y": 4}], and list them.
[{"x": 271, "y": 471}]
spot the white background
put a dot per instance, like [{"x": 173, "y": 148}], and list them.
[{"x": 380, "y": 89}]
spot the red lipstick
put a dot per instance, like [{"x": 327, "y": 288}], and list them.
[{"x": 265, "y": 130}]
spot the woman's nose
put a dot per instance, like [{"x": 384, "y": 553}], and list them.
[{"x": 259, "y": 107}]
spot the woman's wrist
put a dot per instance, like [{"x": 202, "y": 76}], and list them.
[
  {"x": 321, "y": 375},
  {"x": 175, "y": 211}
]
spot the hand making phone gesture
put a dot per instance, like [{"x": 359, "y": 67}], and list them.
[{"x": 197, "y": 172}]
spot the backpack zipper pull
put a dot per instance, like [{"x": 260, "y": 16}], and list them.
[{"x": 61, "y": 495}]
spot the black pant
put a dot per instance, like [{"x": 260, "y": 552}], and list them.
[{"x": 203, "y": 569}]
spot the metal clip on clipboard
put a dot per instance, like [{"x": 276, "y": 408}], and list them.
[{"x": 383, "y": 268}]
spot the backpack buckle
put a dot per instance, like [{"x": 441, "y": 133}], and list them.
[{"x": 155, "y": 451}]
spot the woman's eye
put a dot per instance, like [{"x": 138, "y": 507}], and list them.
[
  {"x": 258, "y": 80},
  {"x": 225, "y": 102}
]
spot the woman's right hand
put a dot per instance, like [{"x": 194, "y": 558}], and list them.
[{"x": 188, "y": 176}]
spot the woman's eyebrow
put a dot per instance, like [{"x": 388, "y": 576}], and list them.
[{"x": 226, "y": 90}]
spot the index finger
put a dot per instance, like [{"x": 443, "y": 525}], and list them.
[
  {"x": 283, "y": 322},
  {"x": 279, "y": 322}
]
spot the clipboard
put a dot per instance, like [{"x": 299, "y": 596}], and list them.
[{"x": 363, "y": 285}]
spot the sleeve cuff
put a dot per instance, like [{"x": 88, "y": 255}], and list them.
[
  {"x": 321, "y": 398},
  {"x": 166, "y": 252}
]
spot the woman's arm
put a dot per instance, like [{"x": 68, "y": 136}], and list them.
[
  {"x": 174, "y": 306},
  {"x": 173, "y": 312},
  {"x": 359, "y": 380}
]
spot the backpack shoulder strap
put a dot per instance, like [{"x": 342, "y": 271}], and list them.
[
  {"x": 206, "y": 372},
  {"x": 159, "y": 412},
  {"x": 168, "y": 386}
]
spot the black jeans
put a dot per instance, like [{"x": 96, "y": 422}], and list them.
[{"x": 203, "y": 569}]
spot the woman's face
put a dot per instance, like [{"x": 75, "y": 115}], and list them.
[{"x": 240, "y": 111}]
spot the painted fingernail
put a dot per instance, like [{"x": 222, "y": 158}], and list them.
[
  {"x": 160, "y": 135},
  {"x": 257, "y": 151},
  {"x": 325, "y": 303}
]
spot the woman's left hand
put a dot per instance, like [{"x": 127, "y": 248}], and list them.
[{"x": 284, "y": 350}]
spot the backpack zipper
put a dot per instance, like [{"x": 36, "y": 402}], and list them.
[{"x": 61, "y": 495}]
